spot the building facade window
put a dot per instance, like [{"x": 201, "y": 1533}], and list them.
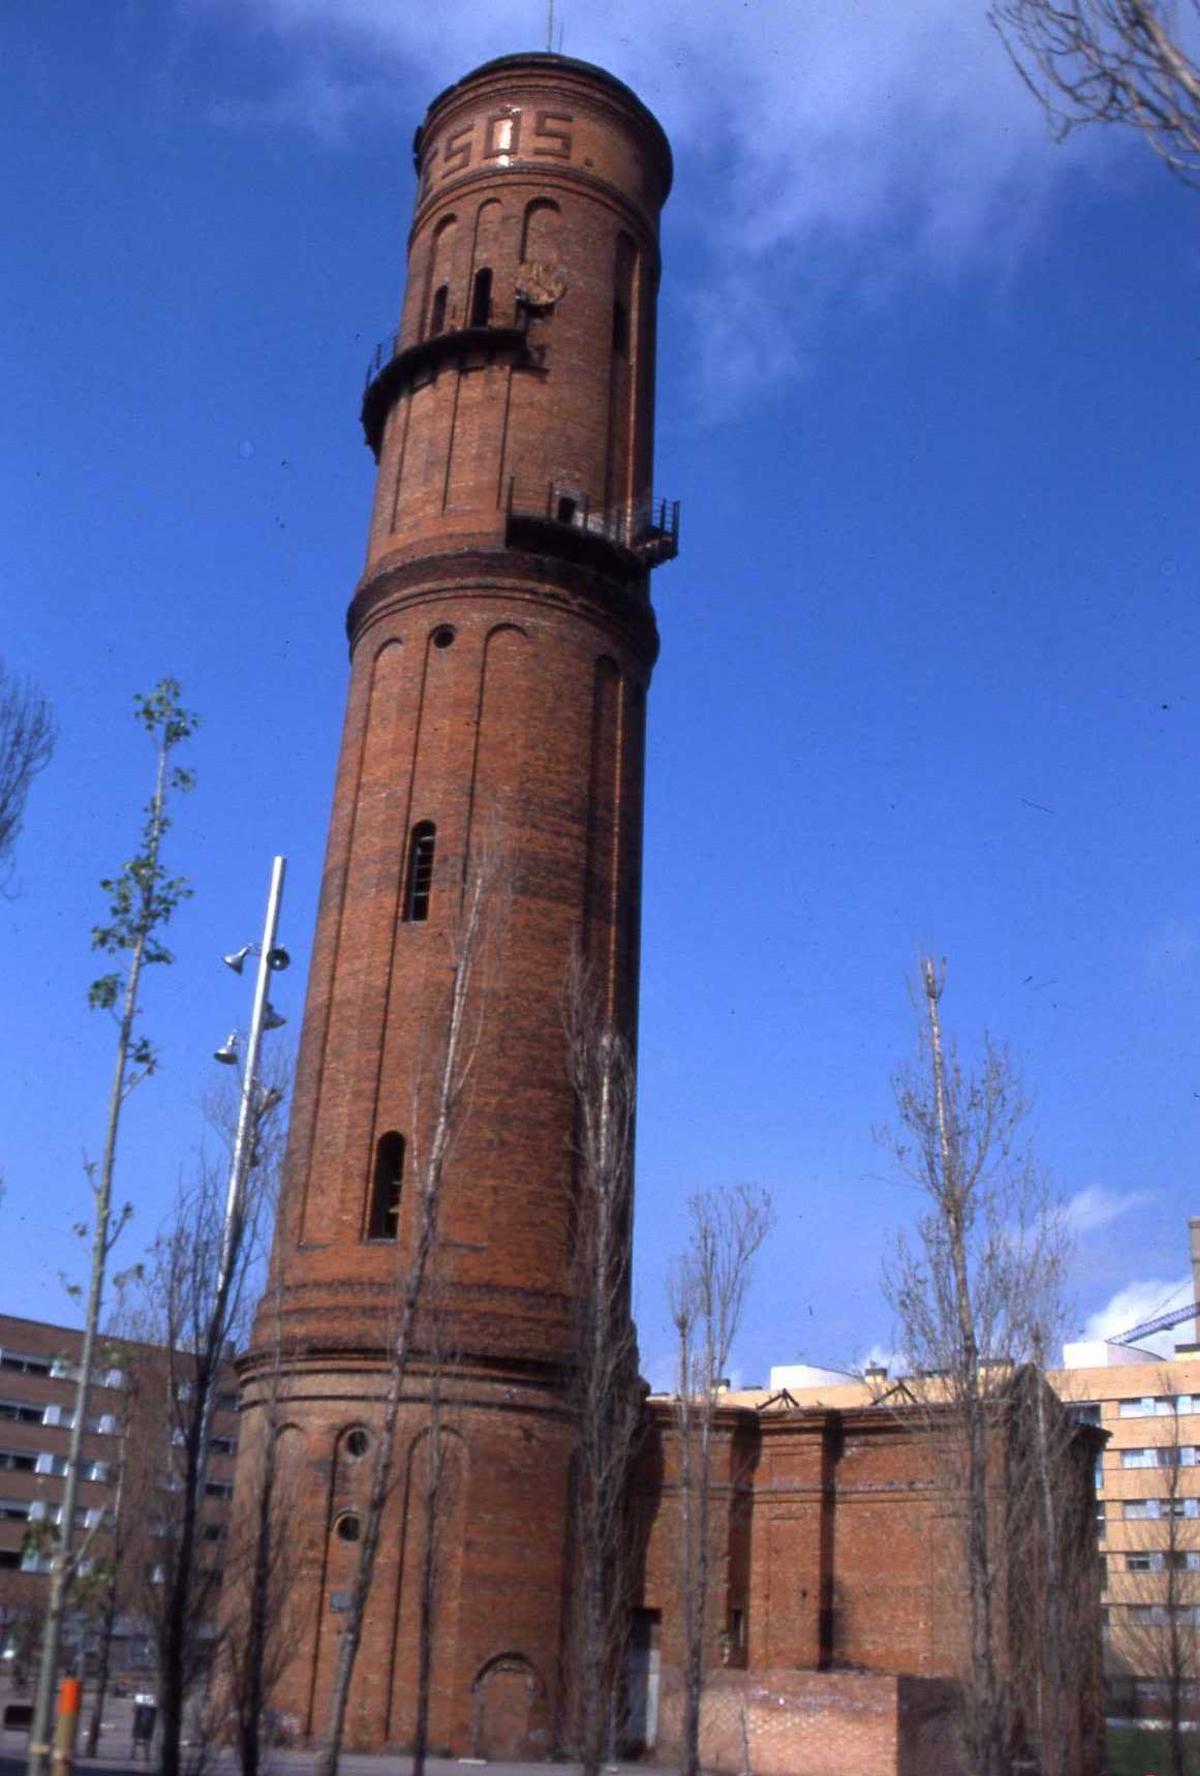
[
  {"x": 1165, "y": 1456},
  {"x": 20, "y": 1412},
  {"x": 437, "y": 314},
  {"x": 418, "y": 882},
  {"x": 1156, "y": 1406},
  {"x": 481, "y": 297},
  {"x": 387, "y": 1183},
  {"x": 22, "y": 1363}
]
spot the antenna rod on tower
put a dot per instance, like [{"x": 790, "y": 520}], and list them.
[{"x": 550, "y": 27}]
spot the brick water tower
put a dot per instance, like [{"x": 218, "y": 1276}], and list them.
[{"x": 502, "y": 640}]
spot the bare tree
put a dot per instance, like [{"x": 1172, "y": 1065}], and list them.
[
  {"x": 461, "y": 1030},
  {"x": 1052, "y": 1577},
  {"x": 261, "y": 1571},
  {"x": 608, "y": 1396},
  {"x": 143, "y": 898},
  {"x": 983, "y": 1273},
  {"x": 1131, "y": 62},
  {"x": 198, "y": 1277},
  {"x": 435, "y": 1480},
  {"x": 27, "y": 738},
  {"x": 707, "y": 1297}
]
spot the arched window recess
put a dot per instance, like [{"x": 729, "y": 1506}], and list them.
[
  {"x": 481, "y": 297},
  {"x": 418, "y": 879},
  {"x": 387, "y": 1184}
]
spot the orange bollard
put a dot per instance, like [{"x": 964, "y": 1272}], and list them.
[{"x": 70, "y": 1698}]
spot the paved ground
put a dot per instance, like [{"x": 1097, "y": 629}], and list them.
[
  {"x": 115, "y": 1759},
  {"x": 293, "y": 1763}
]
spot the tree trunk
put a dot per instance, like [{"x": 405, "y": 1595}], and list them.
[
  {"x": 450, "y": 1081},
  {"x": 62, "y": 1566},
  {"x": 435, "y": 1458},
  {"x": 107, "y": 1623},
  {"x": 258, "y": 1625}
]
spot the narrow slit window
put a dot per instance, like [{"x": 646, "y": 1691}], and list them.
[
  {"x": 437, "y": 317},
  {"x": 387, "y": 1182},
  {"x": 481, "y": 297},
  {"x": 419, "y": 883},
  {"x": 565, "y": 511},
  {"x": 620, "y": 329}
]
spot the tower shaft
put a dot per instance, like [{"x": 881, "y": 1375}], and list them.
[{"x": 502, "y": 641}]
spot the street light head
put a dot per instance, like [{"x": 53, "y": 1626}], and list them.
[
  {"x": 237, "y": 960},
  {"x": 227, "y": 1054},
  {"x": 278, "y": 959},
  {"x": 271, "y": 1018}
]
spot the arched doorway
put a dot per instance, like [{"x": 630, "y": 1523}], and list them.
[{"x": 509, "y": 1715}]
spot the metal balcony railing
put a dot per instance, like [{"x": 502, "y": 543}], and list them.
[
  {"x": 394, "y": 367},
  {"x": 648, "y": 529}
]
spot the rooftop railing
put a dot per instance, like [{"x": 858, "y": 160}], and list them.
[{"x": 647, "y": 528}]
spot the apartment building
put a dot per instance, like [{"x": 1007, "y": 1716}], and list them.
[
  {"x": 1147, "y": 1503},
  {"x": 129, "y": 1475}
]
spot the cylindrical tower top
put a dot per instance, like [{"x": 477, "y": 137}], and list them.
[
  {"x": 514, "y": 406},
  {"x": 539, "y": 74}
]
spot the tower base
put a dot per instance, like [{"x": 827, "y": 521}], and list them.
[{"x": 470, "y": 1565}]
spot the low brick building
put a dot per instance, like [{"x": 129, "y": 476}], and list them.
[{"x": 836, "y": 1619}]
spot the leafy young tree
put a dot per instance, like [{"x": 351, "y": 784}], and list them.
[
  {"x": 143, "y": 897},
  {"x": 26, "y": 746},
  {"x": 707, "y": 1297},
  {"x": 111, "y": 1579},
  {"x": 1131, "y": 62},
  {"x": 970, "y": 1295}
]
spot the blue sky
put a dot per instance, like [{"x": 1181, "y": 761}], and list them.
[{"x": 927, "y": 392}]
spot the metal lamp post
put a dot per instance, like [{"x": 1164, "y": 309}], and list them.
[{"x": 271, "y": 959}]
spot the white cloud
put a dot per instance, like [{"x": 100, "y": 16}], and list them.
[
  {"x": 1095, "y": 1207},
  {"x": 829, "y": 149},
  {"x": 1144, "y": 1300},
  {"x": 881, "y": 1356}
]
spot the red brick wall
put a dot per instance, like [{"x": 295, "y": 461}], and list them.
[
  {"x": 821, "y": 1723},
  {"x": 498, "y": 689}
]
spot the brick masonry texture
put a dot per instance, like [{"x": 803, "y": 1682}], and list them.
[
  {"x": 836, "y": 1616},
  {"x": 821, "y": 1723},
  {"x": 502, "y": 642}
]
